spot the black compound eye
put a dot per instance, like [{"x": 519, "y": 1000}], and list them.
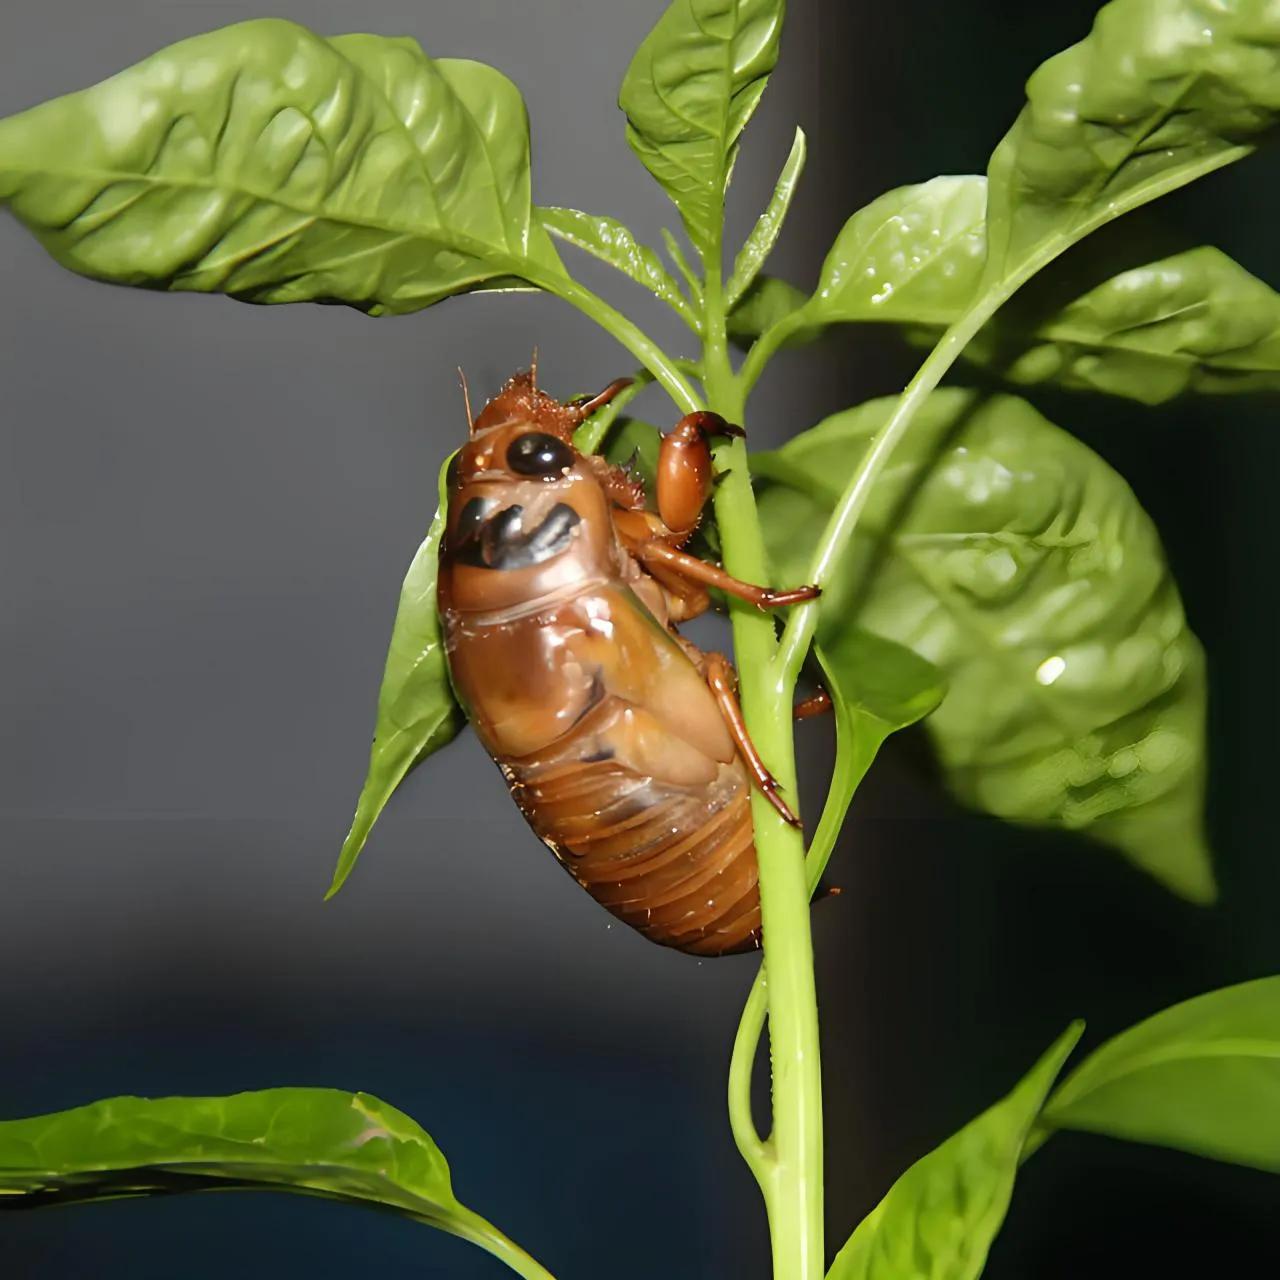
[
  {"x": 536, "y": 454},
  {"x": 451, "y": 476}
]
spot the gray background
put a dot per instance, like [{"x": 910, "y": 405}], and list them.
[{"x": 206, "y": 511}]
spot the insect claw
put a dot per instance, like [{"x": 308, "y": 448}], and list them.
[
  {"x": 770, "y": 598},
  {"x": 770, "y": 789}
]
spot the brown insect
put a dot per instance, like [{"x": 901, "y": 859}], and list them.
[{"x": 621, "y": 741}]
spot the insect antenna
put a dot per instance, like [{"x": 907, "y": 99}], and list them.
[
  {"x": 533, "y": 370},
  {"x": 466, "y": 400}
]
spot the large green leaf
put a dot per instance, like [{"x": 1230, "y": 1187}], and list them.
[
  {"x": 319, "y": 1142},
  {"x": 1195, "y": 321},
  {"x": 1016, "y": 561},
  {"x": 939, "y": 1219},
  {"x": 1158, "y": 94},
  {"x": 1203, "y": 1076},
  {"x": 688, "y": 94},
  {"x": 267, "y": 163},
  {"x": 417, "y": 712},
  {"x": 877, "y": 687},
  {"x": 607, "y": 239}
]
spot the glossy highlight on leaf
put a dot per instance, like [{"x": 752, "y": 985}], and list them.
[
  {"x": 1016, "y": 561},
  {"x": 764, "y": 235},
  {"x": 1203, "y": 1076},
  {"x": 939, "y": 1219},
  {"x": 267, "y": 163},
  {"x": 321, "y": 1142},
  {"x": 607, "y": 239},
  {"x": 417, "y": 712},
  {"x": 692, "y": 86}
]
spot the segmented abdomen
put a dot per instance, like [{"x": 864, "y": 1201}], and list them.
[{"x": 677, "y": 863}]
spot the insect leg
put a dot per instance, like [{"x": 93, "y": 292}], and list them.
[
  {"x": 684, "y": 475},
  {"x": 720, "y": 678},
  {"x": 656, "y": 554},
  {"x": 814, "y": 705}
]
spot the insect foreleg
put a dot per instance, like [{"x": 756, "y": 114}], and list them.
[
  {"x": 815, "y": 704},
  {"x": 684, "y": 474},
  {"x": 720, "y": 677},
  {"x": 656, "y": 554}
]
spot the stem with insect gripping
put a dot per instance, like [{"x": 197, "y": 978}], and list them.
[{"x": 788, "y": 1164}]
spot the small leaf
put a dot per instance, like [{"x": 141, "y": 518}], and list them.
[
  {"x": 1203, "y": 1076},
  {"x": 611, "y": 242},
  {"x": 767, "y": 302},
  {"x": 915, "y": 254},
  {"x": 264, "y": 162},
  {"x": 877, "y": 687},
  {"x": 1158, "y": 94},
  {"x": 1016, "y": 561},
  {"x": 759, "y": 244},
  {"x": 688, "y": 94},
  {"x": 417, "y": 712},
  {"x": 940, "y": 1218},
  {"x": 320, "y": 1142}
]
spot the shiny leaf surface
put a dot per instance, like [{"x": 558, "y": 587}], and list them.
[
  {"x": 267, "y": 163},
  {"x": 1158, "y": 94},
  {"x": 764, "y": 235},
  {"x": 607, "y": 239},
  {"x": 1196, "y": 321},
  {"x": 688, "y": 94},
  {"x": 1203, "y": 1076},
  {"x": 939, "y": 1219},
  {"x": 320, "y": 1142},
  {"x": 1017, "y": 562},
  {"x": 914, "y": 255},
  {"x": 417, "y": 712}
]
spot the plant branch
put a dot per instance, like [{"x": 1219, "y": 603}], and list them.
[
  {"x": 766, "y": 346},
  {"x": 789, "y": 1165},
  {"x": 664, "y": 369},
  {"x": 803, "y": 621}
]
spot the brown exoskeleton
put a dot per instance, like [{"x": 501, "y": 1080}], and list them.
[{"x": 621, "y": 741}]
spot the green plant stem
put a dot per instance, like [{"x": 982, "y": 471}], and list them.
[
  {"x": 480, "y": 1231},
  {"x": 631, "y": 336},
  {"x": 766, "y": 345},
  {"x": 803, "y": 622},
  {"x": 788, "y": 1164}
]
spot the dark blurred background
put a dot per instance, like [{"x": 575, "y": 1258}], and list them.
[{"x": 206, "y": 511}]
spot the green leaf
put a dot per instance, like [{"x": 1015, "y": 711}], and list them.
[
  {"x": 768, "y": 301},
  {"x": 1203, "y": 1076},
  {"x": 1016, "y": 561},
  {"x": 611, "y": 242},
  {"x": 688, "y": 94},
  {"x": 1197, "y": 321},
  {"x": 877, "y": 687},
  {"x": 914, "y": 255},
  {"x": 417, "y": 712},
  {"x": 267, "y": 163},
  {"x": 940, "y": 1218},
  {"x": 759, "y": 244},
  {"x": 1158, "y": 94},
  {"x": 319, "y": 1142}
]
